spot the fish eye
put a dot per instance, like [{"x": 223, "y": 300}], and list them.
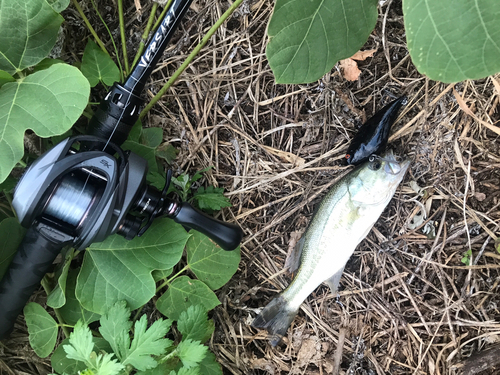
[{"x": 374, "y": 164}]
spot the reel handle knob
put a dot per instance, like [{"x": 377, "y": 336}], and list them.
[{"x": 228, "y": 236}]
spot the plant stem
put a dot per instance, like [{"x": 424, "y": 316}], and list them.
[
  {"x": 162, "y": 14},
  {"x": 122, "y": 34},
  {"x": 63, "y": 326},
  {"x": 191, "y": 56},
  {"x": 112, "y": 40},
  {"x": 167, "y": 282},
  {"x": 145, "y": 34},
  {"x": 89, "y": 26}
]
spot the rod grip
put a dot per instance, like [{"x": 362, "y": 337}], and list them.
[
  {"x": 228, "y": 236},
  {"x": 33, "y": 260}
]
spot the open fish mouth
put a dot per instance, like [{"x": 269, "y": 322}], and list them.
[{"x": 394, "y": 165}]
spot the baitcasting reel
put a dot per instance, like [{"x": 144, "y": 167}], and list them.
[{"x": 87, "y": 188}]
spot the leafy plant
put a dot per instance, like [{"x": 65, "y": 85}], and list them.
[
  {"x": 448, "y": 41},
  {"x": 467, "y": 258},
  {"x": 147, "y": 351},
  {"x": 116, "y": 276}
]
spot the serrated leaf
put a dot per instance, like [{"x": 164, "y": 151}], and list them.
[
  {"x": 42, "y": 329},
  {"x": 194, "y": 324},
  {"x": 187, "y": 371},
  {"x": 106, "y": 365},
  {"x": 57, "y": 297},
  {"x": 48, "y": 102},
  {"x": 191, "y": 352},
  {"x": 98, "y": 66},
  {"x": 152, "y": 137},
  {"x": 146, "y": 343},
  {"x": 80, "y": 343},
  {"x": 115, "y": 327},
  {"x": 28, "y": 31},
  {"x": 452, "y": 41},
  {"x": 11, "y": 235},
  {"x": 5, "y": 77},
  {"x": 62, "y": 364},
  {"x": 118, "y": 269},
  {"x": 209, "y": 262},
  {"x": 211, "y": 198},
  {"x": 72, "y": 311},
  {"x": 185, "y": 292},
  {"x": 307, "y": 38},
  {"x": 209, "y": 365}
]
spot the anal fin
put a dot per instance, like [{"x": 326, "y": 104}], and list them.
[{"x": 333, "y": 282}]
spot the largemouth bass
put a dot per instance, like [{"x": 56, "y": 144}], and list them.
[{"x": 344, "y": 217}]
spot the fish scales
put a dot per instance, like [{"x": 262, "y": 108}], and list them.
[{"x": 344, "y": 217}]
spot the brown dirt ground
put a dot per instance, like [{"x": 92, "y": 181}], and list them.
[{"x": 407, "y": 304}]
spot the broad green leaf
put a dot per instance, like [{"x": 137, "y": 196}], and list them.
[
  {"x": 185, "y": 292},
  {"x": 211, "y": 198},
  {"x": 46, "y": 63},
  {"x": 28, "y": 31},
  {"x": 42, "y": 329},
  {"x": 59, "y": 5},
  {"x": 72, "y": 311},
  {"x": 161, "y": 274},
  {"x": 194, "y": 324},
  {"x": 188, "y": 371},
  {"x": 98, "y": 65},
  {"x": 57, "y": 297},
  {"x": 145, "y": 152},
  {"x": 118, "y": 269},
  {"x": 11, "y": 235},
  {"x": 62, "y": 364},
  {"x": 135, "y": 132},
  {"x": 152, "y": 137},
  {"x": 209, "y": 262},
  {"x": 191, "y": 352},
  {"x": 209, "y": 365},
  {"x": 167, "y": 152},
  {"x": 48, "y": 102},
  {"x": 452, "y": 41},
  {"x": 5, "y": 77},
  {"x": 307, "y": 38}
]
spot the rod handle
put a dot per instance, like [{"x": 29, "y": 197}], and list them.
[{"x": 33, "y": 260}]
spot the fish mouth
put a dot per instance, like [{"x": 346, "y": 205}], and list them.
[{"x": 395, "y": 165}]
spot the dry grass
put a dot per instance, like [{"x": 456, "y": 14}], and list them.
[{"x": 408, "y": 304}]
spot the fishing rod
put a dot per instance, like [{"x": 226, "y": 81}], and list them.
[{"x": 86, "y": 188}]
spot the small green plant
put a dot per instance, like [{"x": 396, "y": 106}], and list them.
[
  {"x": 449, "y": 41},
  {"x": 467, "y": 258}
]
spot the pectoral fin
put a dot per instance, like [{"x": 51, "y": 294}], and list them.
[
  {"x": 333, "y": 282},
  {"x": 293, "y": 261}
]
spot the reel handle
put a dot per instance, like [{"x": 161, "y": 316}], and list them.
[
  {"x": 228, "y": 236},
  {"x": 33, "y": 260}
]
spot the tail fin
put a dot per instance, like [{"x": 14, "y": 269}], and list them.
[{"x": 276, "y": 317}]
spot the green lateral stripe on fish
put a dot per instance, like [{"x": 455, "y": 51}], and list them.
[{"x": 344, "y": 217}]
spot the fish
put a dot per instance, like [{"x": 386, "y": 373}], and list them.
[
  {"x": 344, "y": 218},
  {"x": 373, "y": 135}
]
